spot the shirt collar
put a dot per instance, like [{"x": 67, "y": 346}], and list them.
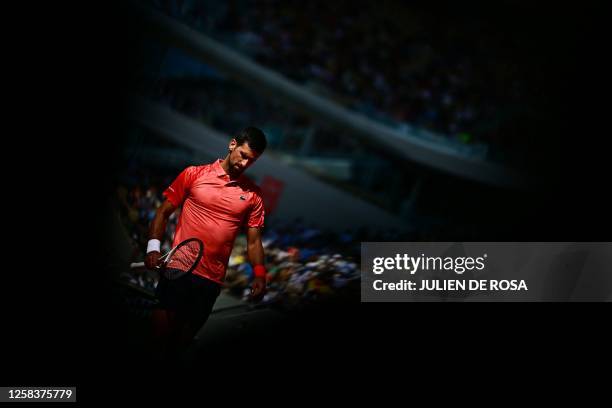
[
  {"x": 221, "y": 173},
  {"x": 218, "y": 169}
]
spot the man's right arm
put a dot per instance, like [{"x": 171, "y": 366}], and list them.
[{"x": 157, "y": 229}]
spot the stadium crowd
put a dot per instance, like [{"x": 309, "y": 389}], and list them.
[{"x": 399, "y": 73}]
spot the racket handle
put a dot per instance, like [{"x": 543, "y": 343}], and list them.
[{"x": 135, "y": 265}]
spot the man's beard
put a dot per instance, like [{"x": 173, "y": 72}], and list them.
[{"x": 235, "y": 171}]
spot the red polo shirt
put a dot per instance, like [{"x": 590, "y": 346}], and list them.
[{"x": 214, "y": 210}]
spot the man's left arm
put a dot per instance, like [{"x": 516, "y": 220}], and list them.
[{"x": 255, "y": 252}]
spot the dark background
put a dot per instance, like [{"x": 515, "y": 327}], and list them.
[{"x": 59, "y": 326}]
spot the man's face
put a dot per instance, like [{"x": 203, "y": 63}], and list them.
[{"x": 241, "y": 157}]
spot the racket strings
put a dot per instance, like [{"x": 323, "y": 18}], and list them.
[{"x": 183, "y": 259}]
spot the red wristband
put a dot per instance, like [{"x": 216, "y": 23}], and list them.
[{"x": 260, "y": 271}]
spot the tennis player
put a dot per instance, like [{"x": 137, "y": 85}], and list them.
[{"x": 217, "y": 202}]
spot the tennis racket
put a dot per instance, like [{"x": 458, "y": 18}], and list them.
[{"x": 180, "y": 260}]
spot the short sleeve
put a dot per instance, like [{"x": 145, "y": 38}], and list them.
[
  {"x": 256, "y": 215},
  {"x": 178, "y": 190}
]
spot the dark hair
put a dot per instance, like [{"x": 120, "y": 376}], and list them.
[{"x": 254, "y": 137}]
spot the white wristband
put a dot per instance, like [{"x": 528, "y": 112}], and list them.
[{"x": 153, "y": 245}]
